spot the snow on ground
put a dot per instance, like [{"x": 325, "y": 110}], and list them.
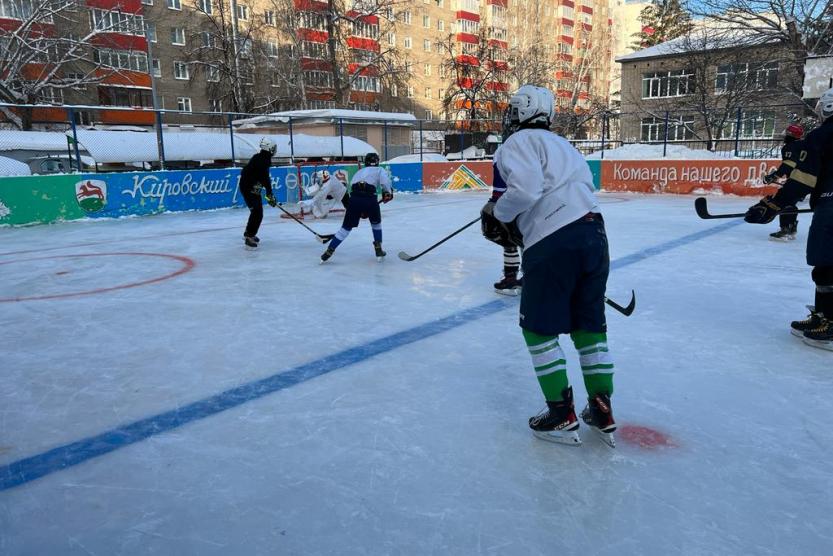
[
  {"x": 640, "y": 151},
  {"x": 12, "y": 167},
  {"x": 173, "y": 393}
]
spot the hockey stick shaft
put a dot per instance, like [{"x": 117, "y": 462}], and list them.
[
  {"x": 323, "y": 238},
  {"x": 627, "y": 311},
  {"x": 701, "y": 205},
  {"x": 405, "y": 257}
]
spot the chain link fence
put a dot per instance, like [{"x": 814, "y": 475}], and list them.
[{"x": 89, "y": 139}]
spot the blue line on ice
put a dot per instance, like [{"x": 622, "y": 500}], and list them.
[{"x": 31, "y": 468}]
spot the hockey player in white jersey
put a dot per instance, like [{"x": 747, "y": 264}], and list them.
[
  {"x": 550, "y": 209},
  {"x": 327, "y": 192}
]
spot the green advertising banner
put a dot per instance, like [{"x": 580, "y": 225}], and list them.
[
  {"x": 39, "y": 199},
  {"x": 596, "y": 170}
]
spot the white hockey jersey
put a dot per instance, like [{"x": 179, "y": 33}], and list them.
[
  {"x": 548, "y": 183},
  {"x": 326, "y": 198},
  {"x": 374, "y": 175}
]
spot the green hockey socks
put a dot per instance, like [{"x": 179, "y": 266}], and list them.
[
  {"x": 551, "y": 365},
  {"x": 549, "y": 362},
  {"x": 596, "y": 363}
]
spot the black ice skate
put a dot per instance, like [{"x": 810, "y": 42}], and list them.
[
  {"x": 250, "y": 242},
  {"x": 253, "y": 238},
  {"x": 821, "y": 336},
  {"x": 598, "y": 415},
  {"x": 558, "y": 423},
  {"x": 380, "y": 253},
  {"x": 509, "y": 285},
  {"x": 787, "y": 233},
  {"x": 799, "y": 327},
  {"x": 325, "y": 256}
]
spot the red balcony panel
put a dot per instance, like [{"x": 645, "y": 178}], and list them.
[
  {"x": 363, "y": 97},
  {"x": 586, "y": 26},
  {"x": 126, "y": 6},
  {"x": 118, "y": 41},
  {"x": 123, "y": 77},
  {"x": 584, "y": 95},
  {"x": 43, "y": 115},
  {"x": 363, "y": 70},
  {"x": 124, "y": 117},
  {"x": 372, "y": 19},
  {"x": 497, "y": 86},
  {"x": 310, "y": 6},
  {"x": 565, "y": 57},
  {"x": 363, "y": 43},
  {"x": 564, "y": 93},
  {"x": 468, "y": 15},
  {"x": 313, "y": 35},
  {"x": 609, "y": 21},
  {"x": 465, "y": 82},
  {"x": 568, "y": 3},
  {"x": 321, "y": 95},
  {"x": 316, "y": 64},
  {"x": 468, "y": 60},
  {"x": 567, "y": 21},
  {"x": 566, "y": 39},
  {"x": 502, "y": 3},
  {"x": 467, "y": 37},
  {"x": 37, "y": 29},
  {"x": 499, "y": 44},
  {"x": 500, "y": 65},
  {"x": 587, "y": 10}
]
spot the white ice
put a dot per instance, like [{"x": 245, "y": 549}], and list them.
[{"x": 424, "y": 447}]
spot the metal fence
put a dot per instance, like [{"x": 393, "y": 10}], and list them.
[{"x": 179, "y": 139}]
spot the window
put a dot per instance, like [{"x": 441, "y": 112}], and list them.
[
  {"x": 207, "y": 39},
  {"x": 311, "y": 49},
  {"x": 471, "y": 6},
  {"x": 426, "y": 21},
  {"x": 269, "y": 17},
  {"x": 174, "y": 4},
  {"x": 366, "y": 83},
  {"x": 51, "y": 95},
  {"x": 427, "y": 92},
  {"x": 242, "y": 12},
  {"x": 178, "y": 36},
  {"x": 664, "y": 84},
  {"x": 181, "y": 70},
  {"x": 410, "y": 92},
  {"x": 426, "y": 70},
  {"x": 440, "y": 25},
  {"x": 394, "y": 91},
  {"x": 183, "y": 104},
  {"x": 680, "y": 128},
  {"x": 120, "y": 96},
  {"x": 115, "y": 22},
  {"x": 121, "y": 59},
  {"x": 754, "y": 124},
  {"x": 150, "y": 29},
  {"x": 205, "y": 6},
  {"x": 366, "y": 30},
  {"x": 426, "y": 45},
  {"x": 468, "y": 26},
  {"x": 407, "y": 42},
  {"x": 215, "y": 105},
  {"x": 212, "y": 73},
  {"x": 156, "y": 67},
  {"x": 442, "y": 71},
  {"x": 312, "y": 20},
  {"x": 272, "y": 49},
  {"x": 319, "y": 79},
  {"x": 391, "y": 39},
  {"x": 429, "y": 115},
  {"x": 746, "y": 76},
  {"x": 246, "y": 48},
  {"x": 405, "y": 17},
  {"x": 147, "y": 2}
]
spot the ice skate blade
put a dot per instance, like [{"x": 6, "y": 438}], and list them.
[
  {"x": 821, "y": 344},
  {"x": 512, "y": 292},
  {"x": 781, "y": 239},
  {"x": 569, "y": 438},
  {"x": 797, "y": 333},
  {"x": 606, "y": 437},
  {"x": 379, "y": 259}
]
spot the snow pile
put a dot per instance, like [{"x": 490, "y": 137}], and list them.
[
  {"x": 640, "y": 151},
  {"x": 11, "y": 167},
  {"x": 12, "y": 140},
  {"x": 426, "y": 157}
]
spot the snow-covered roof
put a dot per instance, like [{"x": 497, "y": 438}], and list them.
[
  {"x": 700, "y": 41},
  {"x": 818, "y": 75},
  {"x": 308, "y": 146},
  {"x": 329, "y": 116},
  {"x": 12, "y": 140},
  {"x": 11, "y": 167}
]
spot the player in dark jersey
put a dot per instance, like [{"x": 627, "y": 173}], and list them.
[
  {"x": 789, "y": 158},
  {"x": 253, "y": 178}
]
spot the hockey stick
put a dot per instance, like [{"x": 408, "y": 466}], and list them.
[
  {"x": 702, "y": 208},
  {"x": 627, "y": 311},
  {"x": 323, "y": 238},
  {"x": 406, "y": 257}
]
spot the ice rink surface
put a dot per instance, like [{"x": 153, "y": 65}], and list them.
[{"x": 165, "y": 391}]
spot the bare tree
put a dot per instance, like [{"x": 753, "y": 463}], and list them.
[
  {"x": 50, "y": 51},
  {"x": 803, "y": 26}
]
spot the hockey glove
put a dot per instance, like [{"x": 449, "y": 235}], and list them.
[
  {"x": 771, "y": 177},
  {"x": 505, "y": 235},
  {"x": 763, "y": 212},
  {"x": 387, "y": 197},
  {"x": 271, "y": 200}
]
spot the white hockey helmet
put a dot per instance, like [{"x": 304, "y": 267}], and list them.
[
  {"x": 824, "y": 107},
  {"x": 531, "y": 105},
  {"x": 267, "y": 144},
  {"x": 322, "y": 176}
]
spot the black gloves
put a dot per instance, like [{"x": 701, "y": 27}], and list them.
[{"x": 763, "y": 212}]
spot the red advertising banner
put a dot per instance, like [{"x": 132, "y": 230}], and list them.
[
  {"x": 456, "y": 176},
  {"x": 736, "y": 177}
]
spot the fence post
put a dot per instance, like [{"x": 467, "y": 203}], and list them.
[
  {"x": 737, "y": 131},
  {"x": 665, "y": 136},
  {"x": 231, "y": 138},
  {"x": 291, "y": 143},
  {"x": 385, "y": 126},
  {"x": 160, "y": 141},
  {"x": 341, "y": 135},
  {"x": 75, "y": 139},
  {"x": 604, "y": 134},
  {"x": 420, "y": 140}
]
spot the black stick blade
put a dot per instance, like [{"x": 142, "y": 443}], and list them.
[
  {"x": 405, "y": 257},
  {"x": 627, "y": 311},
  {"x": 702, "y": 208}
]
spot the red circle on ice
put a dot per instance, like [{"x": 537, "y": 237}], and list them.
[
  {"x": 644, "y": 437},
  {"x": 187, "y": 264}
]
